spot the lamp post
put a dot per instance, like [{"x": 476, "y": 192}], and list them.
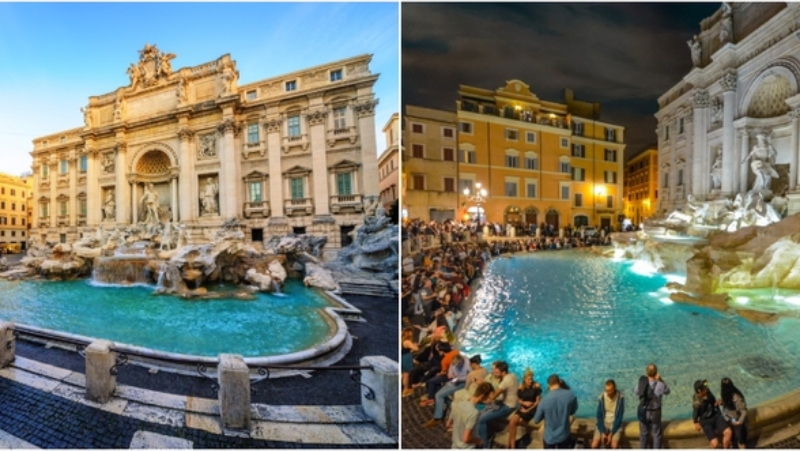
[{"x": 478, "y": 198}]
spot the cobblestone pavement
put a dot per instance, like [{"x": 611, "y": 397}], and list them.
[{"x": 414, "y": 416}]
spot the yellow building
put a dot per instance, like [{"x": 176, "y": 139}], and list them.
[
  {"x": 15, "y": 194},
  {"x": 641, "y": 185},
  {"x": 430, "y": 140},
  {"x": 539, "y": 161},
  {"x": 388, "y": 163}
]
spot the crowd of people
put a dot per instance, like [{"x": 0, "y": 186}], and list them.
[
  {"x": 472, "y": 401},
  {"x": 461, "y": 231}
]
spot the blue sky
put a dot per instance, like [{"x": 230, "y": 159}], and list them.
[{"x": 53, "y": 56}]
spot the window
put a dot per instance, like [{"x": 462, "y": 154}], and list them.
[
  {"x": 45, "y": 171},
  {"x": 448, "y": 132},
  {"x": 344, "y": 184},
  {"x": 579, "y": 150},
  {"x": 251, "y": 95},
  {"x": 666, "y": 133},
  {"x": 62, "y": 208},
  {"x": 448, "y": 154},
  {"x": 449, "y": 184},
  {"x": 511, "y": 135},
  {"x": 680, "y": 177},
  {"x": 293, "y": 123},
  {"x": 63, "y": 139},
  {"x": 609, "y": 201},
  {"x": 13, "y": 221},
  {"x": 13, "y": 233},
  {"x": 610, "y": 176},
  {"x": 13, "y": 206},
  {"x": 417, "y": 128},
  {"x": 531, "y": 190},
  {"x": 564, "y": 167},
  {"x": 577, "y": 128},
  {"x": 611, "y": 155},
  {"x": 417, "y": 151},
  {"x": 81, "y": 208},
  {"x": 252, "y": 133},
  {"x": 64, "y": 166},
  {"x": 3, "y": 220},
  {"x": 297, "y": 188},
  {"x": 578, "y": 174},
  {"x": 611, "y": 134},
  {"x": 564, "y": 143},
  {"x": 291, "y": 85},
  {"x": 531, "y": 163},
  {"x": 565, "y": 192},
  {"x": 464, "y": 184},
  {"x": 83, "y": 163},
  {"x": 578, "y": 199},
  {"x": 512, "y": 161},
  {"x": 22, "y": 207},
  {"x": 336, "y": 75},
  {"x": 339, "y": 121},
  {"x": 467, "y": 156},
  {"x": 255, "y": 191},
  {"x": 23, "y": 223},
  {"x": 13, "y": 192},
  {"x": 419, "y": 182},
  {"x": 530, "y": 137},
  {"x": 3, "y": 205},
  {"x": 466, "y": 127},
  {"x": 680, "y": 126},
  {"x": 511, "y": 189}
]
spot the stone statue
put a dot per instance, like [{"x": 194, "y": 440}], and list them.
[
  {"x": 87, "y": 116},
  {"x": 697, "y": 51},
  {"x": 118, "y": 105},
  {"x": 716, "y": 111},
  {"x": 716, "y": 172},
  {"x": 109, "y": 206},
  {"x": 108, "y": 163},
  {"x": 780, "y": 204},
  {"x": 380, "y": 210},
  {"x": 164, "y": 66},
  {"x": 228, "y": 80},
  {"x": 726, "y": 30},
  {"x": 763, "y": 162},
  {"x": 166, "y": 237},
  {"x": 181, "y": 91},
  {"x": 208, "y": 145},
  {"x": 149, "y": 203},
  {"x": 208, "y": 198},
  {"x": 135, "y": 73}
]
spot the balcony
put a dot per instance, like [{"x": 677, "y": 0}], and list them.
[
  {"x": 352, "y": 203},
  {"x": 258, "y": 147},
  {"x": 82, "y": 220},
  {"x": 291, "y": 141},
  {"x": 342, "y": 134},
  {"x": 298, "y": 207},
  {"x": 256, "y": 209},
  {"x": 62, "y": 220}
]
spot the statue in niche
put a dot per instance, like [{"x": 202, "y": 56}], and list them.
[
  {"x": 87, "y": 116},
  {"x": 109, "y": 206},
  {"x": 726, "y": 30},
  {"x": 716, "y": 172},
  {"x": 107, "y": 162},
  {"x": 208, "y": 145},
  {"x": 763, "y": 161},
  {"x": 149, "y": 202},
  {"x": 697, "y": 51},
  {"x": 208, "y": 198}
]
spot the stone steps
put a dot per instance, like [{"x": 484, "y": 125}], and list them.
[
  {"x": 340, "y": 425},
  {"x": 367, "y": 287}
]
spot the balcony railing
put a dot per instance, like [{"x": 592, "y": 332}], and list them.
[
  {"x": 341, "y": 134},
  {"x": 298, "y": 207},
  {"x": 351, "y": 203},
  {"x": 290, "y": 141},
  {"x": 256, "y": 209}
]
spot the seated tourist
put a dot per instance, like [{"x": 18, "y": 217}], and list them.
[
  {"x": 465, "y": 417},
  {"x": 529, "y": 393},
  {"x": 610, "y": 410},
  {"x": 504, "y": 398},
  {"x": 706, "y": 416}
]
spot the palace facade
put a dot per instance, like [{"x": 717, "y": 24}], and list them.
[{"x": 294, "y": 153}]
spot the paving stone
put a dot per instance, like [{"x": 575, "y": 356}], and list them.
[{"x": 149, "y": 440}]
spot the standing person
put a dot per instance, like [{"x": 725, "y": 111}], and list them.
[
  {"x": 650, "y": 390},
  {"x": 706, "y": 416},
  {"x": 530, "y": 394},
  {"x": 504, "y": 397},
  {"x": 557, "y": 407},
  {"x": 465, "y": 417},
  {"x": 409, "y": 347},
  {"x": 735, "y": 411},
  {"x": 610, "y": 410}
]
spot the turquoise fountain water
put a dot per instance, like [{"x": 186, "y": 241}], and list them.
[
  {"x": 269, "y": 325},
  {"x": 589, "y": 319}
]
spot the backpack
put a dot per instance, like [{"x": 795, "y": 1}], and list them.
[{"x": 646, "y": 395}]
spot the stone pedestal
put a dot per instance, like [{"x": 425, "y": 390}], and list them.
[
  {"x": 234, "y": 391},
  {"x": 100, "y": 383},
  {"x": 7, "y": 343},
  {"x": 384, "y": 410}
]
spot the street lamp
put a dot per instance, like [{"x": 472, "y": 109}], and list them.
[{"x": 478, "y": 198}]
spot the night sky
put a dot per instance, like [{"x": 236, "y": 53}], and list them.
[{"x": 622, "y": 55}]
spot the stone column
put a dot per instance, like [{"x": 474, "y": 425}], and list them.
[
  {"x": 234, "y": 391},
  {"x": 7, "y": 343},
  {"x": 186, "y": 159},
  {"x": 228, "y": 180},
  {"x": 174, "y": 204},
  {"x": 93, "y": 194},
  {"x": 728, "y": 83},
  {"x": 319, "y": 160},
  {"x": 121, "y": 185},
  {"x": 53, "y": 184},
  {"x": 700, "y": 169},
  {"x": 369, "y": 154},
  {"x": 73, "y": 188},
  {"x": 383, "y": 379},
  {"x": 744, "y": 146},
  {"x": 100, "y": 383},
  {"x": 135, "y": 198},
  {"x": 273, "y": 129},
  {"x": 795, "y": 148}
]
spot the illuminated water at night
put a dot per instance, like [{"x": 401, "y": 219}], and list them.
[
  {"x": 268, "y": 325},
  {"x": 589, "y": 319}
]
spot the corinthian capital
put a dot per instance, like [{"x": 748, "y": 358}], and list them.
[
  {"x": 227, "y": 126},
  {"x": 185, "y": 134},
  {"x": 794, "y": 114},
  {"x": 700, "y": 99},
  {"x": 728, "y": 81},
  {"x": 273, "y": 125},
  {"x": 317, "y": 117},
  {"x": 366, "y": 107}
]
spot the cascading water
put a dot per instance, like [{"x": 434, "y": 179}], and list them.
[{"x": 120, "y": 270}]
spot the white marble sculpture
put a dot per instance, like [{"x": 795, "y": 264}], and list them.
[
  {"x": 109, "y": 206},
  {"x": 716, "y": 172},
  {"x": 149, "y": 203},
  {"x": 697, "y": 51},
  {"x": 762, "y": 163},
  {"x": 208, "y": 198},
  {"x": 726, "y": 29}
]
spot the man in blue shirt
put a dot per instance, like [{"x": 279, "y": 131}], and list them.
[
  {"x": 657, "y": 388},
  {"x": 557, "y": 407}
]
